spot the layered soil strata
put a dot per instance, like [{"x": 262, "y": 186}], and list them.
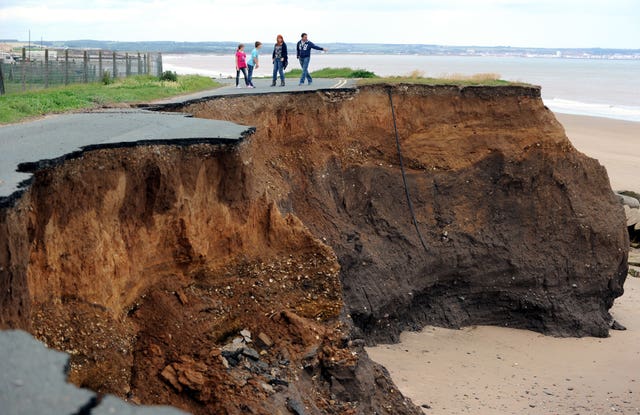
[
  {"x": 521, "y": 229},
  {"x": 146, "y": 264}
]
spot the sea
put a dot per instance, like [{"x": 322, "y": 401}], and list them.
[{"x": 607, "y": 88}]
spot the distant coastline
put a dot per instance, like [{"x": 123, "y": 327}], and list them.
[{"x": 347, "y": 48}]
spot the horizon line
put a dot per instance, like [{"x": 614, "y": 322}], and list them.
[{"x": 36, "y": 42}]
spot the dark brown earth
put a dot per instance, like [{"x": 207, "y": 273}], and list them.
[{"x": 146, "y": 263}]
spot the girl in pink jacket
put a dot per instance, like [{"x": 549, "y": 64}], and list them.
[{"x": 241, "y": 65}]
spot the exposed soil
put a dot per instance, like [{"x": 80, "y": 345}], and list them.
[
  {"x": 159, "y": 263},
  {"x": 506, "y": 205},
  {"x": 247, "y": 278},
  {"x": 176, "y": 344}
]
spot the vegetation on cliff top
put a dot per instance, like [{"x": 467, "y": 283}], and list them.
[
  {"x": 416, "y": 77},
  {"x": 22, "y": 105},
  {"x": 334, "y": 73}
]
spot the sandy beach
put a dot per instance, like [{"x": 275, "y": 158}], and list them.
[
  {"x": 616, "y": 144},
  {"x": 495, "y": 370}
]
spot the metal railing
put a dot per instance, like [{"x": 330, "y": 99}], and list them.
[{"x": 46, "y": 68}]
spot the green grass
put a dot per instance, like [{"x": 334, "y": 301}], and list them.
[
  {"x": 15, "y": 107},
  {"x": 333, "y": 73}
]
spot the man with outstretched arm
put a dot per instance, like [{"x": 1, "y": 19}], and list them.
[{"x": 304, "y": 56}]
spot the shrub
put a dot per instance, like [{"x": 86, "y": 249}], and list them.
[
  {"x": 361, "y": 73},
  {"x": 169, "y": 76},
  {"x": 106, "y": 78}
]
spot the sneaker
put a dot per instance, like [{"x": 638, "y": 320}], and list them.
[
  {"x": 300, "y": 84},
  {"x": 238, "y": 86},
  {"x": 250, "y": 86}
]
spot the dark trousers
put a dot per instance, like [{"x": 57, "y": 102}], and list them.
[{"x": 244, "y": 73}]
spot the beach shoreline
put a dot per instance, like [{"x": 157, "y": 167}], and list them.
[
  {"x": 614, "y": 143},
  {"x": 497, "y": 370}
]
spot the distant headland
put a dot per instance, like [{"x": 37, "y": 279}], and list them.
[{"x": 354, "y": 48}]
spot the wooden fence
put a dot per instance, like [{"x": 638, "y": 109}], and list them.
[{"x": 45, "y": 68}]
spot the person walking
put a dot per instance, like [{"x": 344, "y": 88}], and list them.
[
  {"x": 303, "y": 54},
  {"x": 280, "y": 60},
  {"x": 253, "y": 62},
  {"x": 241, "y": 65}
]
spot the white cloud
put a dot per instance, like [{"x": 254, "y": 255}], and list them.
[
  {"x": 46, "y": 14},
  {"x": 550, "y": 23}
]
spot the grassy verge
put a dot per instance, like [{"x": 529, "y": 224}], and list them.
[
  {"x": 19, "y": 106},
  {"x": 333, "y": 73}
]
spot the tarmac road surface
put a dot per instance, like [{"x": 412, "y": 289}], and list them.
[
  {"x": 263, "y": 86},
  {"x": 28, "y": 146}
]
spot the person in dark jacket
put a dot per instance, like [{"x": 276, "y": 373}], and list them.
[
  {"x": 280, "y": 60},
  {"x": 304, "y": 56}
]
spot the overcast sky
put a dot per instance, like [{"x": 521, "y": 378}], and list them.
[{"x": 535, "y": 23}]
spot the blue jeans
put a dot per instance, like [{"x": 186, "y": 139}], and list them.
[
  {"x": 250, "y": 76},
  {"x": 304, "y": 62},
  {"x": 278, "y": 68}
]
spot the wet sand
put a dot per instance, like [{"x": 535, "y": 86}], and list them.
[{"x": 494, "y": 370}]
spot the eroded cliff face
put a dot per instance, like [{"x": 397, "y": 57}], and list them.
[
  {"x": 146, "y": 263},
  {"x": 521, "y": 229}
]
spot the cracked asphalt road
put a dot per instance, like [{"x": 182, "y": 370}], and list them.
[{"x": 27, "y": 146}]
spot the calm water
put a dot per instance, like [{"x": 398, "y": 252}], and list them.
[{"x": 606, "y": 88}]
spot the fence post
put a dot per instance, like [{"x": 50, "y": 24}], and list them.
[
  {"x": 85, "y": 67},
  {"x": 1, "y": 81},
  {"x": 115, "y": 66},
  {"x": 46, "y": 68},
  {"x": 23, "y": 63},
  {"x": 127, "y": 67},
  {"x": 159, "y": 64},
  {"x": 148, "y": 64},
  {"x": 66, "y": 66},
  {"x": 100, "y": 64},
  {"x": 139, "y": 64}
]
